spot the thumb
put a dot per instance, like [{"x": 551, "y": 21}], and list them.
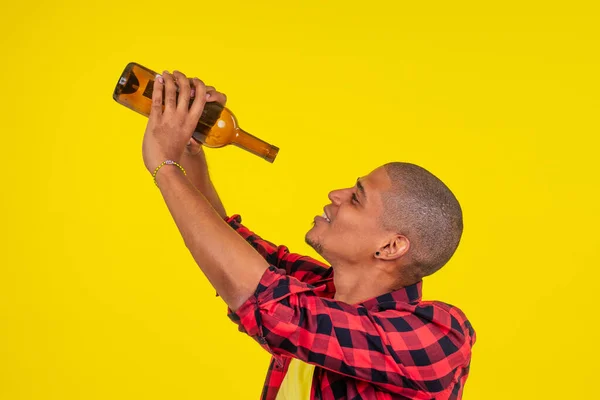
[{"x": 193, "y": 147}]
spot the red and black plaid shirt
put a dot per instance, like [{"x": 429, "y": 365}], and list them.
[{"x": 393, "y": 346}]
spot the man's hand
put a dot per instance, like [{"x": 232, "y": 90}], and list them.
[{"x": 169, "y": 130}]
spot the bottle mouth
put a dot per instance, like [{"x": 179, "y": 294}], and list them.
[{"x": 272, "y": 153}]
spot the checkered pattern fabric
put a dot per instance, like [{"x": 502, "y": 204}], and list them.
[{"x": 394, "y": 346}]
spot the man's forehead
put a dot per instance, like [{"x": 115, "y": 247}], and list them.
[{"x": 378, "y": 180}]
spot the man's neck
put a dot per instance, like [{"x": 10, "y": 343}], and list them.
[{"x": 354, "y": 285}]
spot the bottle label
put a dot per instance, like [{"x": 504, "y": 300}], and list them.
[{"x": 149, "y": 89}]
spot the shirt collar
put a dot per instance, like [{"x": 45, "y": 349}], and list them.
[{"x": 407, "y": 294}]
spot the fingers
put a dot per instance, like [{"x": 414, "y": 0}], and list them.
[
  {"x": 193, "y": 89},
  {"x": 183, "y": 101},
  {"x": 178, "y": 82},
  {"x": 157, "y": 97},
  {"x": 199, "y": 102},
  {"x": 213, "y": 95},
  {"x": 170, "y": 92}
]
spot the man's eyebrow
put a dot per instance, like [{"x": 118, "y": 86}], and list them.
[{"x": 361, "y": 188}]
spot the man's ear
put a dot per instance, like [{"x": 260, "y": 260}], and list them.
[{"x": 394, "y": 249}]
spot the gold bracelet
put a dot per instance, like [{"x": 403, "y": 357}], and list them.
[{"x": 167, "y": 162}]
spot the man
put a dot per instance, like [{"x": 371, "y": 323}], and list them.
[{"x": 355, "y": 330}]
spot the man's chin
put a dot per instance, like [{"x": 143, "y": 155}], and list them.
[
  {"x": 312, "y": 242},
  {"x": 310, "y": 233}
]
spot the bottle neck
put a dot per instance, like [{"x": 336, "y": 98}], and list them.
[{"x": 254, "y": 145}]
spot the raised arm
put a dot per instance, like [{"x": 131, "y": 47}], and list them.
[{"x": 301, "y": 267}]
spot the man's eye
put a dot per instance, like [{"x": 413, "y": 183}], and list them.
[{"x": 354, "y": 198}]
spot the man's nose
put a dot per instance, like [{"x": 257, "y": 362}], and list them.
[{"x": 336, "y": 196}]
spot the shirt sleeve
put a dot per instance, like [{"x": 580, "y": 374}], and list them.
[
  {"x": 397, "y": 351},
  {"x": 303, "y": 268}
]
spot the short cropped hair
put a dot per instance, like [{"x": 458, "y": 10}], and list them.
[{"x": 421, "y": 207}]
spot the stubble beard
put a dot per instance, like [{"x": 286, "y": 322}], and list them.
[{"x": 318, "y": 247}]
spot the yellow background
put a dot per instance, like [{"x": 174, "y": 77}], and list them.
[{"x": 100, "y": 299}]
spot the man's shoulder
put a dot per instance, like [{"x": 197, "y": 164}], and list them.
[
  {"x": 426, "y": 332},
  {"x": 432, "y": 314}
]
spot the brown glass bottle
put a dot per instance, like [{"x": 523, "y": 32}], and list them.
[{"x": 217, "y": 126}]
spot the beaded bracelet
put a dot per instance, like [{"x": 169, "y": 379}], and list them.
[{"x": 167, "y": 162}]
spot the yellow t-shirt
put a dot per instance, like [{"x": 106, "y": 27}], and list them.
[{"x": 297, "y": 382}]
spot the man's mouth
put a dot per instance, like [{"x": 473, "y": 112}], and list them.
[{"x": 326, "y": 217}]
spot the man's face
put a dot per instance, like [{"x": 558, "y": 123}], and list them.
[{"x": 350, "y": 230}]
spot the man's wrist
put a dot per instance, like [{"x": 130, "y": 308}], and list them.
[
  {"x": 197, "y": 169},
  {"x": 166, "y": 172}
]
